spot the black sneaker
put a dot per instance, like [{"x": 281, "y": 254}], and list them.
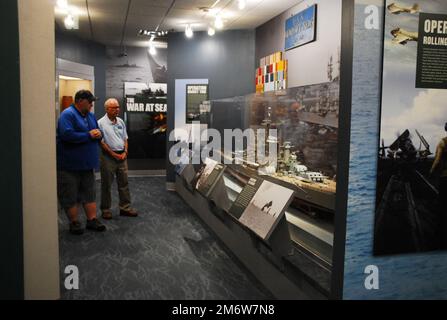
[
  {"x": 76, "y": 228},
  {"x": 95, "y": 225}
]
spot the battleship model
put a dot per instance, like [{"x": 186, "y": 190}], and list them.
[{"x": 312, "y": 187}]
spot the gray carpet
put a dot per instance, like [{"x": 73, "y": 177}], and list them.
[{"x": 165, "y": 253}]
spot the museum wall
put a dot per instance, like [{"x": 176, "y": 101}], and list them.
[
  {"x": 40, "y": 228},
  {"x": 308, "y": 63},
  {"x": 400, "y": 275},
  {"x": 226, "y": 60},
  {"x": 74, "y": 49}
]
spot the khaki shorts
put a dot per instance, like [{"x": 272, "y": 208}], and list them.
[{"x": 75, "y": 187}]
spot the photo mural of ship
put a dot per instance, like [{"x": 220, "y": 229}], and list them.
[
  {"x": 134, "y": 65},
  {"x": 146, "y": 120},
  {"x": 411, "y": 207}
]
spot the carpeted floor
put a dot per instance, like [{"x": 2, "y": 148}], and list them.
[{"x": 165, "y": 253}]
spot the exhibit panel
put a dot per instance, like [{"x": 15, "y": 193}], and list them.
[{"x": 395, "y": 230}]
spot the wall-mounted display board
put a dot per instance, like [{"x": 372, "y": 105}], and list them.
[
  {"x": 146, "y": 119},
  {"x": 196, "y": 96},
  {"x": 393, "y": 226},
  {"x": 412, "y": 167},
  {"x": 265, "y": 208},
  {"x": 301, "y": 28}
]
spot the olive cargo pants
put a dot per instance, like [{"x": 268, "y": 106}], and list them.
[{"x": 110, "y": 168}]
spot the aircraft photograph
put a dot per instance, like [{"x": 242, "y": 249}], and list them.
[
  {"x": 402, "y": 36},
  {"x": 397, "y": 9}
]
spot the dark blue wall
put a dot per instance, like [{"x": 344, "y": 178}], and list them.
[
  {"x": 227, "y": 60},
  {"x": 74, "y": 49}
]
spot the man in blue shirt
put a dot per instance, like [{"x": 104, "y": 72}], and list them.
[
  {"x": 114, "y": 148},
  {"x": 78, "y": 137}
]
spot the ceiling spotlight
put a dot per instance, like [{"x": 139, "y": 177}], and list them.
[
  {"x": 241, "y": 4},
  {"x": 152, "y": 50},
  {"x": 218, "y": 23},
  {"x": 211, "y": 31},
  {"x": 188, "y": 31},
  {"x": 71, "y": 22}
]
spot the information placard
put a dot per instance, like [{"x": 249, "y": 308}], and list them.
[
  {"x": 432, "y": 51},
  {"x": 265, "y": 208},
  {"x": 208, "y": 176}
]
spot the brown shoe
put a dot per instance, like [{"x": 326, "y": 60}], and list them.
[
  {"x": 129, "y": 213},
  {"x": 106, "y": 214}
]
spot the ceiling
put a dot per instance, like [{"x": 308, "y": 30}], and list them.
[{"x": 117, "y": 22}]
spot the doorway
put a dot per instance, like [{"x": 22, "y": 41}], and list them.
[
  {"x": 70, "y": 78},
  {"x": 68, "y": 86}
]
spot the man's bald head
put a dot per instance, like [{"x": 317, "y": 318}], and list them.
[
  {"x": 112, "y": 107},
  {"x": 112, "y": 102}
]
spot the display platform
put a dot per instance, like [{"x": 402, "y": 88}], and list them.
[{"x": 270, "y": 262}]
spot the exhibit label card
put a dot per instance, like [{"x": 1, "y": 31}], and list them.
[
  {"x": 244, "y": 198},
  {"x": 266, "y": 208},
  {"x": 209, "y": 175},
  {"x": 432, "y": 51}
]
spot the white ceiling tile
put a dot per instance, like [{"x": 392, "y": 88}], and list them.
[{"x": 108, "y": 16}]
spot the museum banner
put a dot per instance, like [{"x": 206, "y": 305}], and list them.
[
  {"x": 145, "y": 115},
  {"x": 411, "y": 189}
]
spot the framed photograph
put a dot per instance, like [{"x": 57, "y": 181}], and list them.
[
  {"x": 301, "y": 28},
  {"x": 196, "y": 95}
]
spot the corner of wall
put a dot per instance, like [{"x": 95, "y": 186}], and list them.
[{"x": 40, "y": 228}]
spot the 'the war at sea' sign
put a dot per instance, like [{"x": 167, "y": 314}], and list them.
[
  {"x": 144, "y": 104},
  {"x": 301, "y": 28},
  {"x": 432, "y": 51}
]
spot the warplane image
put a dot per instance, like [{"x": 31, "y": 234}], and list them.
[
  {"x": 402, "y": 36},
  {"x": 397, "y": 9}
]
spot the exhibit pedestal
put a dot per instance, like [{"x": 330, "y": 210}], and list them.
[{"x": 246, "y": 248}]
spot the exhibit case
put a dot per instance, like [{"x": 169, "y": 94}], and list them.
[{"x": 287, "y": 204}]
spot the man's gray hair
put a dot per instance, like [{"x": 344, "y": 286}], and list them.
[{"x": 109, "y": 102}]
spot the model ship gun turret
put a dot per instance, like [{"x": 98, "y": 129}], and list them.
[{"x": 403, "y": 148}]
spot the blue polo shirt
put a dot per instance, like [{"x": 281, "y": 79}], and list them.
[{"x": 76, "y": 150}]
